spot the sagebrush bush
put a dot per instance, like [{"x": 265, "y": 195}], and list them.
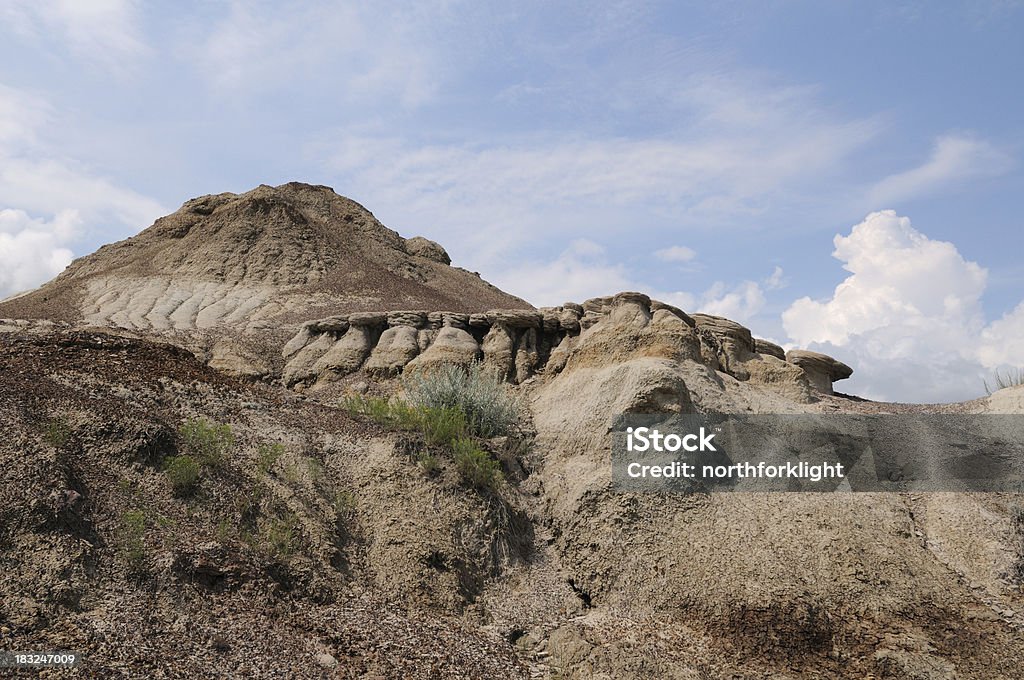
[
  {"x": 266, "y": 456},
  {"x": 475, "y": 466},
  {"x": 483, "y": 398},
  {"x": 439, "y": 426},
  {"x": 208, "y": 442},
  {"x": 183, "y": 473},
  {"x": 133, "y": 529}
]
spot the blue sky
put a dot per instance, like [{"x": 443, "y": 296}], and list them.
[{"x": 709, "y": 153}]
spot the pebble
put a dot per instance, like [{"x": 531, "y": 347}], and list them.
[{"x": 326, "y": 660}]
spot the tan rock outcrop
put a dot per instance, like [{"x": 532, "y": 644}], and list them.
[
  {"x": 821, "y": 369},
  {"x": 451, "y": 346}
]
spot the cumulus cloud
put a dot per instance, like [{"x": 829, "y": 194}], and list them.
[
  {"x": 48, "y": 201},
  {"x": 579, "y": 272},
  {"x": 954, "y": 158},
  {"x": 31, "y": 250},
  {"x": 908, "y": 318}
]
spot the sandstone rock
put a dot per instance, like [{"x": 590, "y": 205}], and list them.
[
  {"x": 367, "y": 319},
  {"x": 415, "y": 319},
  {"x": 332, "y": 324},
  {"x": 769, "y": 348},
  {"x": 569, "y": 319},
  {"x": 435, "y": 320},
  {"x": 631, "y": 297},
  {"x": 479, "y": 320},
  {"x": 498, "y": 350},
  {"x": 515, "y": 318},
  {"x": 736, "y": 345},
  {"x": 417, "y": 246},
  {"x": 451, "y": 346},
  {"x": 425, "y": 337},
  {"x": 348, "y": 354},
  {"x": 560, "y": 354},
  {"x": 455, "y": 320},
  {"x": 600, "y": 305},
  {"x": 631, "y": 308},
  {"x": 397, "y": 346},
  {"x": 780, "y": 376},
  {"x": 821, "y": 369},
  {"x": 298, "y": 341},
  {"x": 574, "y": 307},
  {"x": 300, "y": 368},
  {"x": 686, "y": 318},
  {"x": 527, "y": 354}
]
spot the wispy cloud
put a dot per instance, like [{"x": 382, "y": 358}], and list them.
[
  {"x": 954, "y": 158},
  {"x": 105, "y": 33},
  {"x": 364, "y": 52}
]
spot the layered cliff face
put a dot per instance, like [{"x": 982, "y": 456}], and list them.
[
  {"x": 518, "y": 344},
  {"x": 259, "y": 260}
]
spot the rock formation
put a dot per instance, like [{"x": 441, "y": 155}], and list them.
[
  {"x": 261, "y": 260},
  {"x": 263, "y": 310}
]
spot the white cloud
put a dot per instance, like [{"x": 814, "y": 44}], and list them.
[
  {"x": 676, "y": 254},
  {"x": 103, "y": 32},
  {"x": 360, "y": 50},
  {"x": 776, "y": 279},
  {"x": 48, "y": 201},
  {"x": 955, "y": 158},
  {"x": 31, "y": 250},
  {"x": 909, "y": 316},
  {"x": 580, "y": 272},
  {"x": 743, "y": 302}
]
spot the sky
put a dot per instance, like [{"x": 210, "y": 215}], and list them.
[{"x": 840, "y": 176}]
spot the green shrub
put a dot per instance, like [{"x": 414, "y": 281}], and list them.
[
  {"x": 483, "y": 398},
  {"x": 133, "y": 529},
  {"x": 266, "y": 456},
  {"x": 1011, "y": 378},
  {"x": 429, "y": 463},
  {"x": 207, "y": 441},
  {"x": 442, "y": 426},
  {"x": 183, "y": 473},
  {"x": 280, "y": 536},
  {"x": 475, "y": 466},
  {"x": 57, "y": 432}
]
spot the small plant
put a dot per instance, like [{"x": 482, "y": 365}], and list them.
[
  {"x": 57, "y": 432},
  {"x": 344, "y": 503},
  {"x": 207, "y": 441},
  {"x": 490, "y": 410},
  {"x": 183, "y": 473},
  {"x": 429, "y": 463},
  {"x": 291, "y": 473},
  {"x": 280, "y": 536},
  {"x": 315, "y": 468},
  {"x": 266, "y": 456},
  {"x": 133, "y": 530},
  {"x": 442, "y": 426},
  {"x": 475, "y": 466}
]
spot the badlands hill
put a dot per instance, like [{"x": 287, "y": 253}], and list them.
[
  {"x": 317, "y": 543},
  {"x": 266, "y": 258}
]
